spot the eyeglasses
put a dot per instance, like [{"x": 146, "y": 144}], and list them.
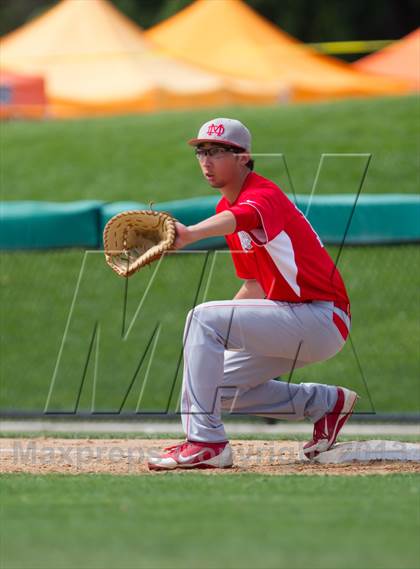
[{"x": 216, "y": 152}]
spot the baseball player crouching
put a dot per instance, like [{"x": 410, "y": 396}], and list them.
[{"x": 291, "y": 310}]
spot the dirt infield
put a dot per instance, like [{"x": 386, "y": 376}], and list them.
[{"x": 44, "y": 455}]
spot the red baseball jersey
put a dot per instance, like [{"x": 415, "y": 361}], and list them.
[{"x": 275, "y": 244}]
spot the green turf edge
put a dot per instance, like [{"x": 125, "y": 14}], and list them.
[{"x": 252, "y": 437}]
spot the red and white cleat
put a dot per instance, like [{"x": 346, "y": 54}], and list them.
[
  {"x": 191, "y": 454},
  {"x": 326, "y": 429}
]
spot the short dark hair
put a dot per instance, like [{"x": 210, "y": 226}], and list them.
[
  {"x": 237, "y": 150},
  {"x": 250, "y": 164}
]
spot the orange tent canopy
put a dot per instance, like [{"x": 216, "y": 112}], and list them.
[
  {"x": 400, "y": 59},
  {"x": 229, "y": 37},
  {"x": 95, "y": 60}
]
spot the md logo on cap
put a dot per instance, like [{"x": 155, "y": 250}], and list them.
[
  {"x": 218, "y": 130},
  {"x": 224, "y": 131}
]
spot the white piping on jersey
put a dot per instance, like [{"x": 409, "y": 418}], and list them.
[
  {"x": 251, "y": 203},
  {"x": 281, "y": 251}
]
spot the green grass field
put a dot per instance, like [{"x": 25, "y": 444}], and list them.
[
  {"x": 189, "y": 520},
  {"x": 37, "y": 296},
  {"x": 145, "y": 157}
]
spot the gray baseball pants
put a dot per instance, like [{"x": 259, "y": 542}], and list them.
[{"x": 234, "y": 348}]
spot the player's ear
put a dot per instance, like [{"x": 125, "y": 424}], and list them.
[{"x": 244, "y": 158}]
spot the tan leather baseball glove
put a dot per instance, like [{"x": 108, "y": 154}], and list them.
[{"x": 133, "y": 239}]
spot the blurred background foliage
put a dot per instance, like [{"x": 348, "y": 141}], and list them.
[{"x": 308, "y": 20}]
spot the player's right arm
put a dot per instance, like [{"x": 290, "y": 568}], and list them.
[
  {"x": 223, "y": 223},
  {"x": 251, "y": 288}
]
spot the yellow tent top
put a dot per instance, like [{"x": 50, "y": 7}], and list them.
[
  {"x": 229, "y": 37},
  {"x": 401, "y": 59},
  {"x": 95, "y": 60}
]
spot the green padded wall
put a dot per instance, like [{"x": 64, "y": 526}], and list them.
[
  {"x": 377, "y": 219},
  {"x": 43, "y": 225}
]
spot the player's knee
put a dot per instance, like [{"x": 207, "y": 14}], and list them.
[
  {"x": 187, "y": 326},
  {"x": 195, "y": 317},
  {"x": 199, "y": 318},
  {"x": 201, "y": 313}
]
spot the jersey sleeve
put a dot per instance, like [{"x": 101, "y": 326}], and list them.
[
  {"x": 260, "y": 211},
  {"x": 246, "y": 217}
]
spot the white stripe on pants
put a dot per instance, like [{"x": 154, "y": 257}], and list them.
[{"x": 234, "y": 348}]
